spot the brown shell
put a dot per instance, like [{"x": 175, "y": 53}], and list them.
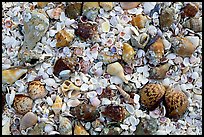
[
  {"x": 176, "y": 103},
  {"x": 85, "y": 112},
  {"x": 158, "y": 48},
  {"x": 116, "y": 113},
  {"x": 63, "y": 38},
  {"x": 159, "y": 72},
  {"x": 151, "y": 95},
  {"x": 107, "y": 93},
  {"x": 42, "y": 4},
  {"x": 194, "y": 23},
  {"x": 36, "y": 90},
  {"x": 22, "y": 103},
  {"x": 139, "y": 21},
  {"x": 129, "y": 5},
  {"x": 79, "y": 129},
  {"x": 166, "y": 18},
  {"x": 190, "y": 10},
  {"x": 74, "y": 9}
]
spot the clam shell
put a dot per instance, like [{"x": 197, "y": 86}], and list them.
[
  {"x": 28, "y": 120},
  {"x": 107, "y": 6},
  {"x": 63, "y": 38},
  {"x": 151, "y": 95},
  {"x": 139, "y": 21},
  {"x": 36, "y": 90},
  {"x": 57, "y": 106},
  {"x": 129, "y": 5},
  {"x": 79, "y": 129},
  {"x": 65, "y": 127},
  {"x": 22, "y": 103},
  {"x": 128, "y": 53}
]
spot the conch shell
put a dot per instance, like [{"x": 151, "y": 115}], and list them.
[
  {"x": 57, "y": 106},
  {"x": 79, "y": 129},
  {"x": 65, "y": 127},
  {"x": 117, "y": 70},
  {"x": 158, "y": 48},
  {"x": 69, "y": 86},
  {"x": 128, "y": 53},
  {"x": 11, "y": 75},
  {"x": 140, "y": 41}
]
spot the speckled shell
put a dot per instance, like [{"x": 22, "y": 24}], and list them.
[
  {"x": 190, "y": 10},
  {"x": 22, "y": 103},
  {"x": 65, "y": 127},
  {"x": 63, "y": 38},
  {"x": 128, "y": 53},
  {"x": 28, "y": 120},
  {"x": 36, "y": 90},
  {"x": 176, "y": 103},
  {"x": 139, "y": 21},
  {"x": 159, "y": 72},
  {"x": 73, "y": 9},
  {"x": 194, "y": 23},
  {"x": 57, "y": 106},
  {"x": 166, "y": 17},
  {"x": 129, "y": 5},
  {"x": 151, "y": 95},
  {"x": 158, "y": 48},
  {"x": 79, "y": 129}
]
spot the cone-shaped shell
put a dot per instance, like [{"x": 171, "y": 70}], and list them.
[
  {"x": 159, "y": 72},
  {"x": 65, "y": 127},
  {"x": 28, "y": 120},
  {"x": 79, "y": 129},
  {"x": 129, "y": 5},
  {"x": 36, "y": 90},
  {"x": 69, "y": 89},
  {"x": 117, "y": 70},
  {"x": 128, "y": 53},
  {"x": 158, "y": 48},
  {"x": 57, "y": 106},
  {"x": 151, "y": 95},
  {"x": 11, "y": 75}
]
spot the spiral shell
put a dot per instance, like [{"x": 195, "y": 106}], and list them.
[
  {"x": 128, "y": 53},
  {"x": 73, "y": 9},
  {"x": 166, "y": 17},
  {"x": 63, "y": 38},
  {"x": 36, "y": 90},
  {"x": 139, "y": 21},
  {"x": 28, "y": 120},
  {"x": 151, "y": 95},
  {"x": 125, "y": 95},
  {"x": 159, "y": 72},
  {"x": 22, "y": 103},
  {"x": 109, "y": 58},
  {"x": 79, "y": 129},
  {"x": 129, "y": 5},
  {"x": 140, "y": 41},
  {"x": 176, "y": 103},
  {"x": 158, "y": 48},
  {"x": 190, "y": 10},
  {"x": 194, "y": 23},
  {"x": 65, "y": 126},
  {"x": 57, "y": 106}
]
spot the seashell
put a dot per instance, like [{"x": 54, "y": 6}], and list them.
[
  {"x": 176, "y": 103},
  {"x": 107, "y": 93},
  {"x": 73, "y": 9},
  {"x": 63, "y": 38},
  {"x": 194, "y": 24},
  {"x": 36, "y": 90},
  {"x": 79, "y": 129},
  {"x": 148, "y": 6},
  {"x": 109, "y": 58},
  {"x": 73, "y": 102},
  {"x": 129, "y": 5},
  {"x": 151, "y": 95},
  {"x": 54, "y": 13},
  {"x": 6, "y": 127},
  {"x": 38, "y": 129},
  {"x": 139, "y": 21},
  {"x": 91, "y": 14},
  {"x": 57, "y": 106},
  {"x": 190, "y": 10},
  {"x": 67, "y": 86},
  {"x": 140, "y": 41},
  {"x": 158, "y": 48},
  {"x": 22, "y": 103},
  {"x": 125, "y": 95},
  {"x": 105, "y": 26},
  {"x": 159, "y": 72},
  {"x": 194, "y": 40},
  {"x": 128, "y": 53},
  {"x": 90, "y": 5},
  {"x": 107, "y": 6},
  {"x": 85, "y": 112},
  {"x": 95, "y": 101},
  {"x": 117, "y": 70},
  {"x": 28, "y": 120},
  {"x": 65, "y": 126},
  {"x": 111, "y": 131},
  {"x": 42, "y": 4},
  {"x": 166, "y": 18},
  {"x": 11, "y": 75},
  {"x": 116, "y": 113}
]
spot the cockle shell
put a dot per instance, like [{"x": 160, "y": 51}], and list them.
[
  {"x": 166, "y": 18},
  {"x": 117, "y": 70},
  {"x": 79, "y": 129},
  {"x": 57, "y": 106},
  {"x": 158, "y": 48},
  {"x": 139, "y": 21},
  {"x": 151, "y": 95},
  {"x": 176, "y": 103},
  {"x": 107, "y": 6},
  {"x": 28, "y": 120},
  {"x": 140, "y": 41},
  {"x": 65, "y": 126},
  {"x": 159, "y": 72},
  {"x": 73, "y": 9},
  {"x": 129, "y": 5},
  {"x": 67, "y": 86},
  {"x": 128, "y": 53},
  {"x": 190, "y": 10},
  {"x": 36, "y": 90},
  {"x": 194, "y": 23},
  {"x": 63, "y": 38},
  {"x": 22, "y": 103},
  {"x": 11, "y": 75}
]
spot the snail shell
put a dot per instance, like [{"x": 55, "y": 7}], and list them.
[
  {"x": 159, "y": 72},
  {"x": 57, "y": 106},
  {"x": 176, "y": 103},
  {"x": 194, "y": 23},
  {"x": 65, "y": 127},
  {"x": 109, "y": 58},
  {"x": 36, "y": 90},
  {"x": 129, "y": 5},
  {"x": 139, "y": 21},
  {"x": 22, "y": 103},
  {"x": 107, "y": 6},
  {"x": 190, "y": 10},
  {"x": 128, "y": 53},
  {"x": 73, "y": 9},
  {"x": 28, "y": 120},
  {"x": 67, "y": 86},
  {"x": 152, "y": 95},
  {"x": 117, "y": 70},
  {"x": 79, "y": 129},
  {"x": 125, "y": 94},
  {"x": 158, "y": 48},
  {"x": 140, "y": 41},
  {"x": 166, "y": 18},
  {"x": 63, "y": 38}
]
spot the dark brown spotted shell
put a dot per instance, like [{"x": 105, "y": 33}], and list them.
[
  {"x": 73, "y": 9},
  {"x": 190, "y": 10},
  {"x": 116, "y": 113},
  {"x": 151, "y": 95},
  {"x": 36, "y": 90},
  {"x": 107, "y": 93},
  {"x": 85, "y": 112},
  {"x": 176, "y": 103}
]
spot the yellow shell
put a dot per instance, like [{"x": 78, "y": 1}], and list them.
[
  {"x": 36, "y": 90},
  {"x": 63, "y": 38},
  {"x": 139, "y": 21},
  {"x": 79, "y": 129},
  {"x": 128, "y": 53},
  {"x": 158, "y": 48},
  {"x": 28, "y": 120},
  {"x": 57, "y": 106},
  {"x": 67, "y": 86},
  {"x": 117, "y": 70},
  {"x": 106, "y": 5},
  {"x": 129, "y": 5},
  {"x": 11, "y": 75}
]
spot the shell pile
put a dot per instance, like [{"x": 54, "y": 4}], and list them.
[{"x": 101, "y": 68}]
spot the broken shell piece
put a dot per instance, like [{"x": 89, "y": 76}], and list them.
[
  {"x": 166, "y": 18},
  {"x": 73, "y": 102},
  {"x": 28, "y": 120},
  {"x": 95, "y": 101},
  {"x": 12, "y": 75},
  {"x": 79, "y": 129},
  {"x": 139, "y": 21},
  {"x": 105, "y": 26},
  {"x": 194, "y": 23},
  {"x": 73, "y": 9},
  {"x": 36, "y": 90},
  {"x": 140, "y": 41},
  {"x": 107, "y": 6},
  {"x": 65, "y": 126},
  {"x": 22, "y": 103},
  {"x": 128, "y": 53},
  {"x": 158, "y": 48},
  {"x": 159, "y": 72},
  {"x": 57, "y": 106},
  {"x": 67, "y": 86},
  {"x": 54, "y": 13},
  {"x": 63, "y": 38},
  {"x": 117, "y": 70},
  {"x": 129, "y": 5}
]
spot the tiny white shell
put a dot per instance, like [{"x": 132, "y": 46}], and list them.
[
  {"x": 116, "y": 80},
  {"x": 123, "y": 126},
  {"x": 105, "y": 26},
  {"x": 48, "y": 128},
  {"x": 130, "y": 108},
  {"x": 95, "y": 101},
  {"x": 73, "y": 102},
  {"x": 49, "y": 82},
  {"x": 49, "y": 101},
  {"x": 148, "y": 6},
  {"x": 84, "y": 87},
  {"x": 91, "y": 94},
  {"x": 10, "y": 97},
  {"x": 161, "y": 132},
  {"x": 195, "y": 75},
  {"x": 138, "y": 113},
  {"x": 105, "y": 101},
  {"x": 136, "y": 98}
]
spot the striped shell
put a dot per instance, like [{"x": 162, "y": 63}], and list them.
[{"x": 36, "y": 90}]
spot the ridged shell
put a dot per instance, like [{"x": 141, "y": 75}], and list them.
[
  {"x": 36, "y": 90},
  {"x": 159, "y": 72},
  {"x": 176, "y": 103},
  {"x": 65, "y": 127},
  {"x": 22, "y": 103},
  {"x": 190, "y": 10},
  {"x": 129, "y": 5},
  {"x": 73, "y": 9},
  {"x": 151, "y": 95},
  {"x": 107, "y": 6},
  {"x": 194, "y": 23},
  {"x": 57, "y": 106},
  {"x": 63, "y": 38},
  {"x": 79, "y": 129},
  {"x": 158, "y": 48},
  {"x": 28, "y": 120},
  {"x": 128, "y": 53},
  {"x": 166, "y": 18},
  {"x": 139, "y": 21}
]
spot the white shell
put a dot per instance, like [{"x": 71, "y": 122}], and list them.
[
  {"x": 10, "y": 97},
  {"x": 49, "y": 101},
  {"x": 123, "y": 126},
  {"x": 48, "y": 128},
  {"x": 73, "y": 102},
  {"x": 95, "y": 101},
  {"x": 194, "y": 40},
  {"x": 105, "y": 26},
  {"x": 6, "y": 128},
  {"x": 148, "y": 6},
  {"x": 105, "y": 101},
  {"x": 91, "y": 94},
  {"x": 130, "y": 108},
  {"x": 49, "y": 82}
]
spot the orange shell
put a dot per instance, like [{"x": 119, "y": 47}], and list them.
[{"x": 158, "y": 48}]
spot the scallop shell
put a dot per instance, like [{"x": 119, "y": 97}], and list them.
[
  {"x": 128, "y": 53},
  {"x": 139, "y": 21},
  {"x": 11, "y": 75},
  {"x": 151, "y": 95},
  {"x": 65, "y": 126},
  {"x": 22, "y": 103},
  {"x": 166, "y": 18},
  {"x": 158, "y": 48},
  {"x": 107, "y": 6},
  {"x": 194, "y": 23},
  {"x": 159, "y": 72},
  {"x": 117, "y": 70},
  {"x": 28, "y": 120},
  {"x": 79, "y": 129},
  {"x": 67, "y": 86},
  {"x": 36, "y": 90},
  {"x": 176, "y": 103},
  {"x": 129, "y": 5},
  {"x": 140, "y": 41},
  {"x": 190, "y": 10},
  {"x": 64, "y": 38},
  {"x": 57, "y": 106},
  {"x": 73, "y": 9}
]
